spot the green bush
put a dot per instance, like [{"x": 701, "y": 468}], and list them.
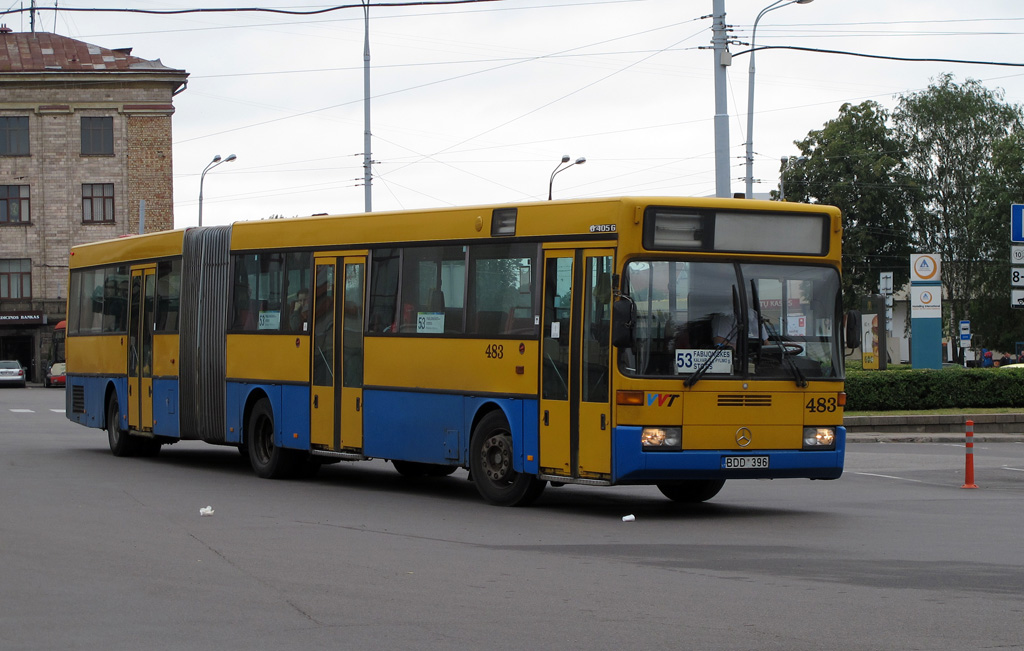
[{"x": 902, "y": 387}]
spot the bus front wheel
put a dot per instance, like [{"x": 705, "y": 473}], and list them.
[
  {"x": 691, "y": 491},
  {"x": 490, "y": 462},
  {"x": 268, "y": 460}
]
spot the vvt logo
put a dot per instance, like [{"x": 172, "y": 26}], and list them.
[{"x": 661, "y": 399}]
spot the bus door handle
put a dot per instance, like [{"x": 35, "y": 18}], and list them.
[
  {"x": 358, "y": 404},
  {"x": 151, "y": 391},
  {"x": 316, "y": 401},
  {"x": 604, "y": 424},
  {"x": 545, "y": 417}
]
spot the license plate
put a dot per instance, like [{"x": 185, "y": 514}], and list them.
[{"x": 731, "y": 463}]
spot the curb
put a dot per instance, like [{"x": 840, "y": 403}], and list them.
[
  {"x": 943, "y": 437},
  {"x": 1012, "y": 423}
]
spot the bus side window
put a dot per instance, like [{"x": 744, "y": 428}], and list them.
[
  {"x": 384, "y": 268},
  {"x": 168, "y": 292},
  {"x": 501, "y": 290}
]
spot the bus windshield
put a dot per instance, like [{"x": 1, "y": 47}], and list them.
[
  {"x": 57, "y": 344},
  {"x": 729, "y": 320}
]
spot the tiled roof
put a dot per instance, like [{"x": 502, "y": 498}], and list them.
[{"x": 45, "y": 52}]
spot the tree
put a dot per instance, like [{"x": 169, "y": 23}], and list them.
[
  {"x": 995, "y": 323},
  {"x": 951, "y": 133},
  {"x": 856, "y": 163}
]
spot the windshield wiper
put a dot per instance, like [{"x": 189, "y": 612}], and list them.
[
  {"x": 774, "y": 336},
  {"x": 699, "y": 373}
]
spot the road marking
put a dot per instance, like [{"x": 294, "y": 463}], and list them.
[
  {"x": 871, "y": 474},
  {"x": 1016, "y": 469},
  {"x": 58, "y": 411},
  {"x": 23, "y": 411}
]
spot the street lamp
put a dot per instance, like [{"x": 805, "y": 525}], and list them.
[
  {"x": 787, "y": 163},
  {"x": 560, "y": 168},
  {"x": 778, "y": 4},
  {"x": 217, "y": 160}
]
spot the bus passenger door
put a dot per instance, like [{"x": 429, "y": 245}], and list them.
[
  {"x": 558, "y": 427},
  {"x": 323, "y": 430},
  {"x": 575, "y": 416},
  {"x": 140, "y": 348},
  {"x": 336, "y": 411},
  {"x": 595, "y": 439},
  {"x": 352, "y": 354}
]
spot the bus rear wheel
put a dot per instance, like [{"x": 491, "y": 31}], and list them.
[
  {"x": 268, "y": 461},
  {"x": 490, "y": 462},
  {"x": 692, "y": 491}
]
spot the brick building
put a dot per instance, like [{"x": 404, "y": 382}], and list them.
[{"x": 85, "y": 150}]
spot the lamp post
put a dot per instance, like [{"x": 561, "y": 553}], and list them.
[
  {"x": 561, "y": 167},
  {"x": 217, "y": 160},
  {"x": 787, "y": 163},
  {"x": 778, "y": 4}
]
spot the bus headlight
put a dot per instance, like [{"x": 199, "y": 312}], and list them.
[
  {"x": 662, "y": 438},
  {"x": 819, "y": 437}
]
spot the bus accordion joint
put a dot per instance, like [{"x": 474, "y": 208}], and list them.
[{"x": 629, "y": 398}]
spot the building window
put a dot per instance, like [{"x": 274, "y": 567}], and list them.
[
  {"x": 97, "y": 136},
  {"x": 15, "y": 279},
  {"x": 14, "y": 136},
  {"x": 14, "y": 208},
  {"x": 98, "y": 202}
]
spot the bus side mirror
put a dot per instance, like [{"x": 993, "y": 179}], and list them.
[
  {"x": 853, "y": 329},
  {"x": 622, "y": 323}
]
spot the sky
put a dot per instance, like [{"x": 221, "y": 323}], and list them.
[{"x": 477, "y": 103}]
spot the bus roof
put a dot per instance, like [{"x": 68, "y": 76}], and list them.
[
  {"x": 131, "y": 247},
  {"x": 563, "y": 218}
]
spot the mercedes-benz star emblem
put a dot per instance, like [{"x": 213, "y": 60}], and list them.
[{"x": 743, "y": 437}]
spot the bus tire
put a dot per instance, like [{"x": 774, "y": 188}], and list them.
[
  {"x": 490, "y": 463},
  {"x": 268, "y": 461},
  {"x": 121, "y": 443},
  {"x": 691, "y": 491}
]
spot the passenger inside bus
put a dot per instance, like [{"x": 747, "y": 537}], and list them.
[{"x": 299, "y": 317}]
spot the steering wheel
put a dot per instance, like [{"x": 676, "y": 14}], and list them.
[{"x": 790, "y": 347}]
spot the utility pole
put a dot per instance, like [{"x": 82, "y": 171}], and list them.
[
  {"x": 367, "y": 157},
  {"x": 723, "y": 59}
]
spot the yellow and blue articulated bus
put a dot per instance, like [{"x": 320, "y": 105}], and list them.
[{"x": 665, "y": 341}]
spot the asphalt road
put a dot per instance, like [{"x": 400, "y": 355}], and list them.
[{"x": 98, "y": 552}]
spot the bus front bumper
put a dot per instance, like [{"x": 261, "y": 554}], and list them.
[{"x": 633, "y": 465}]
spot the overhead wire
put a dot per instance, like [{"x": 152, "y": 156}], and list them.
[{"x": 449, "y": 149}]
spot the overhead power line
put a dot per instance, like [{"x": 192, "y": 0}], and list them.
[
  {"x": 881, "y": 56},
  {"x": 224, "y": 10}
]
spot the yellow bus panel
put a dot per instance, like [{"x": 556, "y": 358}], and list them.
[
  {"x": 453, "y": 364},
  {"x": 724, "y": 437},
  {"x": 268, "y": 358},
  {"x": 97, "y": 355},
  {"x": 165, "y": 355}
]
